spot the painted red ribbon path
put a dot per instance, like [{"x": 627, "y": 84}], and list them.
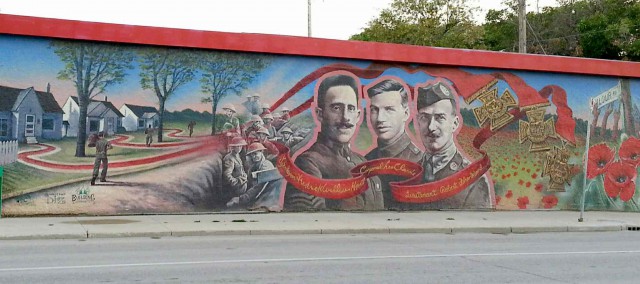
[{"x": 207, "y": 146}]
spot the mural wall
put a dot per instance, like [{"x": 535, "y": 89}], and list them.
[{"x": 141, "y": 129}]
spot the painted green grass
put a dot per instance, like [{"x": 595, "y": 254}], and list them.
[
  {"x": 19, "y": 177},
  {"x": 68, "y": 150}
]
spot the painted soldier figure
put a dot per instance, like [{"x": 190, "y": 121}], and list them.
[
  {"x": 102, "y": 146},
  {"x": 283, "y": 119},
  {"x": 389, "y": 113},
  {"x": 233, "y": 174},
  {"x": 268, "y": 120},
  {"x": 232, "y": 124},
  {"x": 271, "y": 151},
  {"x": 265, "y": 109},
  {"x": 148, "y": 136},
  {"x": 287, "y": 137},
  {"x": 330, "y": 157},
  {"x": 190, "y": 127},
  {"x": 260, "y": 194},
  {"x": 438, "y": 121}
]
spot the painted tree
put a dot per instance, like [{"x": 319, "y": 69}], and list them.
[
  {"x": 444, "y": 23},
  {"x": 225, "y": 73},
  {"x": 164, "y": 71},
  {"x": 92, "y": 67}
]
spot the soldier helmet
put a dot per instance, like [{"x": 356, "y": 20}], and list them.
[
  {"x": 286, "y": 130},
  {"x": 433, "y": 93},
  {"x": 255, "y": 118},
  {"x": 267, "y": 116},
  {"x": 256, "y": 146},
  {"x": 229, "y": 107},
  {"x": 285, "y": 109},
  {"x": 263, "y": 130},
  {"x": 256, "y": 95},
  {"x": 237, "y": 141},
  {"x": 266, "y": 105}
]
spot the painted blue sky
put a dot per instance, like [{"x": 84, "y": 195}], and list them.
[{"x": 26, "y": 62}]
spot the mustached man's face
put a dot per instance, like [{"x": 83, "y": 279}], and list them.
[
  {"x": 229, "y": 112},
  {"x": 437, "y": 124},
  {"x": 388, "y": 116},
  {"x": 339, "y": 114}
]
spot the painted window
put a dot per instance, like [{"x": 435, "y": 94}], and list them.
[
  {"x": 4, "y": 127},
  {"x": 140, "y": 123},
  {"x": 94, "y": 125},
  {"x": 47, "y": 124}
]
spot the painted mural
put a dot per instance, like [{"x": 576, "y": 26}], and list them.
[{"x": 128, "y": 129}]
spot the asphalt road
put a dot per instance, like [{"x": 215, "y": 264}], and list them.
[{"x": 610, "y": 257}]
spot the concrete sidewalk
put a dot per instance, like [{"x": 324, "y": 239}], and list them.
[{"x": 314, "y": 223}]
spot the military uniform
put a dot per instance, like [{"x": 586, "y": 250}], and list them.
[
  {"x": 327, "y": 159},
  {"x": 255, "y": 188},
  {"x": 102, "y": 145},
  {"x": 232, "y": 172},
  {"x": 232, "y": 125},
  {"x": 403, "y": 148},
  {"x": 476, "y": 196}
]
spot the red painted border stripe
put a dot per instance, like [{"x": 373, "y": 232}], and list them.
[{"x": 290, "y": 45}]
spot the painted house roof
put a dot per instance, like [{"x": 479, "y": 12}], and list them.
[
  {"x": 9, "y": 96},
  {"x": 141, "y": 111},
  {"x": 94, "y": 103}
]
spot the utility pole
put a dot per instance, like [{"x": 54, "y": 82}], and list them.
[
  {"x": 309, "y": 18},
  {"x": 522, "y": 26}
]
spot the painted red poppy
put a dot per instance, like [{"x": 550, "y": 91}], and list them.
[
  {"x": 528, "y": 184},
  {"x": 539, "y": 187},
  {"x": 509, "y": 194},
  {"x": 549, "y": 201},
  {"x": 498, "y": 199},
  {"x": 630, "y": 151},
  {"x": 523, "y": 202},
  {"x": 620, "y": 180},
  {"x": 521, "y": 182},
  {"x": 600, "y": 156},
  {"x": 534, "y": 175}
]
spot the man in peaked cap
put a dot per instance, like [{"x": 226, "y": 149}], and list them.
[
  {"x": 233, "y": 173},
  {"x": 437, "y": 122},
  {"x": 389, "y": 113}
]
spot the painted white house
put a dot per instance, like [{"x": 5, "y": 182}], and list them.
[
  {"x": 138, "y": 117},
  {"x": 101, "y": 116},
  {"x": 28, "y": 115}
]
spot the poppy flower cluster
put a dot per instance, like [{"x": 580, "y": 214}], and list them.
[{"x": 620, "y": 175}]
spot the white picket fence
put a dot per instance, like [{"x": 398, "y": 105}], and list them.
[{"x": 8, "y": 152}]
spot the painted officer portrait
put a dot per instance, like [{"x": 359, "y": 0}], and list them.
[
  {"x": 438, "y": 121},
  {"x": 388, "y": 112},
  {"x": 337, "y": 113}
]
